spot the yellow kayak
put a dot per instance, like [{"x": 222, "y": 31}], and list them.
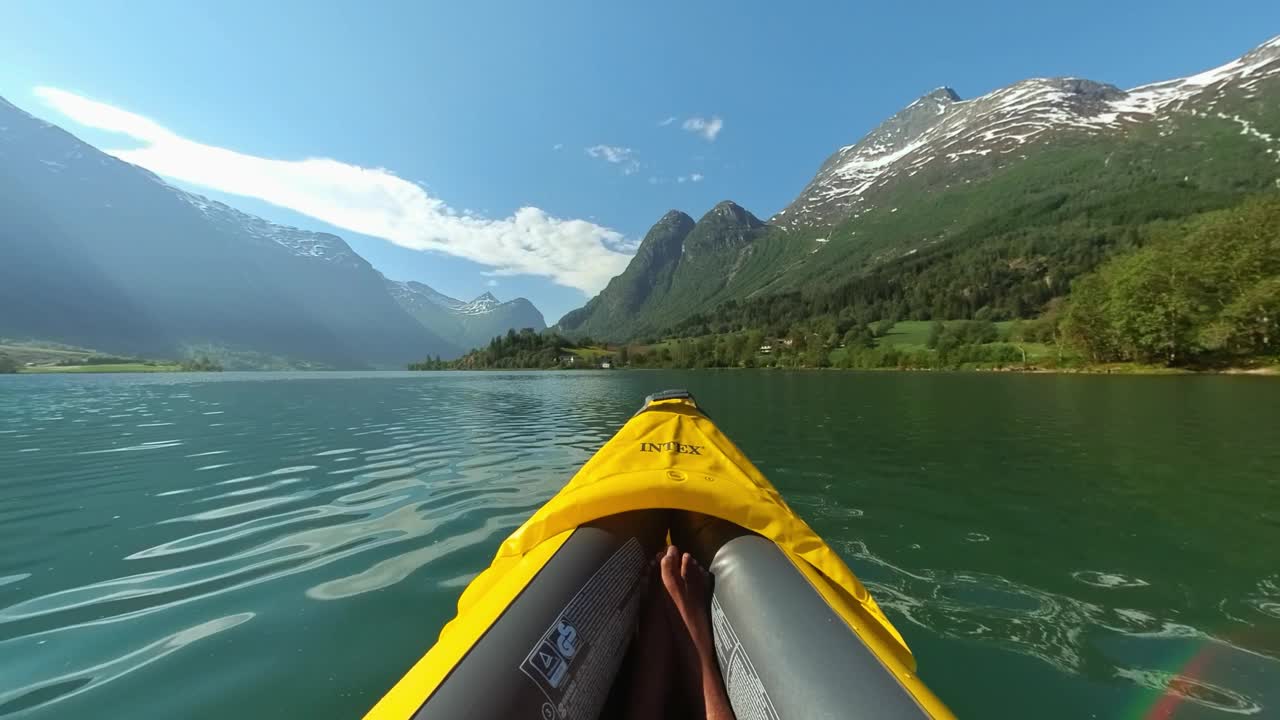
[{"x": 543, "y": 632}]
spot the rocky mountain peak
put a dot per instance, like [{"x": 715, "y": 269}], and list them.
[
  {"x": 730, "y": 212},
  {"x": 1083, "y": 93},
  {"x": 675, "y": 217},
  {"x": 1269, "y": 50},
  {"x": 942, "y": 94},
  {"x": 666, "y": 236}
]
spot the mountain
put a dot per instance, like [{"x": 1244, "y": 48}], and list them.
[
  {"x": 466, "y": 324},
  {"x": 648, "y": 275},
  {"x": 976, "y": 136},
  {"x": 951, "y": 206},
  {"x": 679, "y": 266},
  {"x": 104, "y": 254}
]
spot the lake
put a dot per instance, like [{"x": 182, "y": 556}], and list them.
[{"x": 286, "y": 545}]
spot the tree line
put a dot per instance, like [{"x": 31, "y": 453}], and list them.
[{"x": 525, "y": 348}]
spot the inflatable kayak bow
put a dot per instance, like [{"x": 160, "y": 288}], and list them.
[{"x": 543, "y": 631}]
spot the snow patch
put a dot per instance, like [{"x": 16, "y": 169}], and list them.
[{"x": 302, "y": 243}]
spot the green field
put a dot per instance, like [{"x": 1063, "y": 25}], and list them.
[
  {"x": 42, "y": 354},
  {"x": 906, "y": 335},
  {"x": 914, "y": 335},
  {"x": 910, "y": 334},
  {"x": 117, "y": 368},
  {"x": 593, "y": 353}
]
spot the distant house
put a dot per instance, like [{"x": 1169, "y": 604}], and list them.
[
  {"x": 766, "y": 349},
  {"x": 568, "y": 359},
  {"x": 605, "y": 365}
]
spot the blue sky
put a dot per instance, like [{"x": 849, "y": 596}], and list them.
[{"x": 485, "y": 108}]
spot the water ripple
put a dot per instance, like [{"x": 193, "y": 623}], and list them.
[
  {"x": 202, "y": 533},
  {"x": 301, "y": 513}
]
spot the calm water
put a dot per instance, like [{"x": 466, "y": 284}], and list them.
[{"x": 263, "y": 546}]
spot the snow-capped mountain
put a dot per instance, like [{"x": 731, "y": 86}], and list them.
[
  {"x": 101, "y": 253},
  {"x": 486, "y": 303},
  {"x": 70, "y": 156},
  {"x": 465, "y": 324},
  {"x": 981, "y": 134}
]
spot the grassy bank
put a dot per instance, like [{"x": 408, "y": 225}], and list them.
[
  {"x": 45, "y": 358},
  {"x": 110, "y": 368}
]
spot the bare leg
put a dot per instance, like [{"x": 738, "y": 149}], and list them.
[
  {"x": 650, "y": 683},
  {"x": 687, "y": 586}
]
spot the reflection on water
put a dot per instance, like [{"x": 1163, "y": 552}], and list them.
[
  {"x": 276, "y": 545},
  {"x": 1057, "y": 629},
  {"x": 82, "y": 680},
  {"x": 123, "y": 547}
]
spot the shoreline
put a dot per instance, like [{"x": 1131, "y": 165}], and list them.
[
  {"x": 1112, "y": 369},
  {"x": 100, "y": 369},
  {"x": 1109, "y": 369}
]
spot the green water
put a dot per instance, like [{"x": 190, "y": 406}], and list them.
[{"x": 264, "y": 546}]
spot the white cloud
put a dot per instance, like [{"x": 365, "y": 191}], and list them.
[
  {"x": 558, "y": 147},
  {"x": 696, "y": 177},
  {"x": 491, "y": 282},
  {"x": 682, "y": 179},
  {"x": 666, "y": 121},
  {"x": 617, "y": 155},
  {"x": 610, "y": 153},
  {"x": 372, "y": 201},
  {"x": 707, "y": 128}
]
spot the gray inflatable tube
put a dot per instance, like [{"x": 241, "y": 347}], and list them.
[{"x": 557, "y": 651}]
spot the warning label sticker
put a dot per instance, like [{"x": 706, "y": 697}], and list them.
[
  {"x": 578, "y": 656},
  {"x": 747, "y": 693}
]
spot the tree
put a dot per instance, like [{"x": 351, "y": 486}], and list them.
[
  {"x": 8, "y": 364},
  {"x": 1151, "y": 305},
  {"x": 704, "y": 352},
  {"x": 858, "y": 336},
  {"x": 754, "y": 339},
  {"x": 624, "y": 355},
  {"x": 1250, "y": 324},
  {"x": 799, "y": 341},
  {"x": 817, "y": 356},
  {"x": 975, "y": 332},
  {"x": 201, "y": 364},
  {"x": 936, "y": 330},
  {"x": 1085, "y": 323}
]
